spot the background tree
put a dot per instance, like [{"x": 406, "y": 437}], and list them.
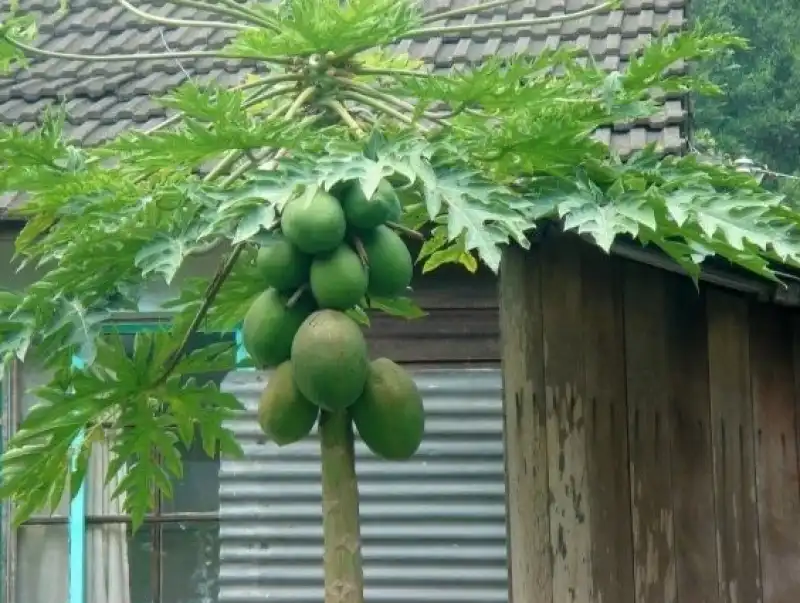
[
  {"x": 339, "y": 147},
  {"x": 758, "y": 113}
]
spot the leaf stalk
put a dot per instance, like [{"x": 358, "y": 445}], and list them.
[
  {"x": 409, "y": 232},
  {"x": 424, "y": 32},
  {"x": 390, "y": 100},
  {"x": 180, "y": 22},
  {"x": 144, "y": 56},
  {"x": 231, "y": 9},
  {"x": 292, "y": 301},
  {"x": 388, "y": 71},
  {"x": 208, "y": 298},
  {"x": 361, "y": 251},
  {"x": 383, "y": 108},
  {"x": 433, "y": 17},
  {"x": 346, "y": 117}
]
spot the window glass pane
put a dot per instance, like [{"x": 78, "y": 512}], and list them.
[
  {"x": 198, "y": 489},
  {"x": 187, "y": 561},
  {"x": 144, "y": 565},
  {"x": 109, "y": 570},
  {"x": 191, "y": 562},
  {"x": 32, "y": 375},
  {"x": 42, "y": 564}
]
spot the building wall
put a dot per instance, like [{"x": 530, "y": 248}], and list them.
[{"x": 652, "y": 435}]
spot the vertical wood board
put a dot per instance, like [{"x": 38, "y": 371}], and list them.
[
  {"x": 524, "y": 429},
  {"x": 570, "y": 515},
  {"x": 607, "y": 427},
  {"x": 773, "y": 382},
  {"x": 692, "y": 459},
  {"x": 733, "y": 445},
  {"x": 648, "y": 383}
]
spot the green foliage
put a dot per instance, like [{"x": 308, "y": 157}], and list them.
[
  {"x": 759, "y": 113},
  {"x": 20, "y": 29},
  {"x": 512, "y": 147},
  {"x": 123, "y": 395},
  {"x": 306, "y": 27},
  {"x": 215, "y": 121}
]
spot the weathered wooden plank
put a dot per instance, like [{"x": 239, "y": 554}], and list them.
[
  {"x": 444, "y": 335},
  {"x": 649, "y": 435},
  {"x": 525, "y": 435},
  {"x": 692, "y": 459},
  {"x": 461, "y": 325},
  {"x": 733, "y": 447},
  {"x": 773, "y": 379},
  {"x": 570, "y": 517},
  {"x": 607, "y": 427}
]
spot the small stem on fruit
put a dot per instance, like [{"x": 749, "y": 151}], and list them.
[
  {"x": 342, "y": 560},
  {"x": 290, "y": 303},
  {"x": 413, "y": 234},
  {"x": 179, "y": 22},
  {"x": 346, "y": 117},
  {"x": 462, "y": 29},
  {"x": 361, "y": 251}
]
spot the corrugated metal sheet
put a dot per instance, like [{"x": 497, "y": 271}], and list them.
[{"x": 433, "y": 528}]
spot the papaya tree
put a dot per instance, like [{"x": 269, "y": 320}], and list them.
[{"x": 310, "y": 176}]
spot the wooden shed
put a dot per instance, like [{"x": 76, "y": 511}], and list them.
[{"x": 651, "y": 430}]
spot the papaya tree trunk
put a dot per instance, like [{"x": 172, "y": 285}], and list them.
[{"x": 344, "y": 574}]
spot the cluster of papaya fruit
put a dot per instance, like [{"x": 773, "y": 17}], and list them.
[{"x": 331, "y": 253}]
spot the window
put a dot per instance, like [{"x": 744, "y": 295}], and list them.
[{"x": 172, "y": 558}]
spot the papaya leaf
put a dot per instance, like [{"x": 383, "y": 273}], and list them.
[
  {"x": 489, "y": 216},
  {"x": 358, "y": 314},
  {"x": 306, "y": 27},
  {"x": 166, "y": 253},
  {"x": 402, "y": 307},
  {"x": 21, "y": 28}
]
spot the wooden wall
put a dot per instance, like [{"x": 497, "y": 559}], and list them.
[
  {"x": 461, "y": 326},
  {"x": 651, "y": 435}
]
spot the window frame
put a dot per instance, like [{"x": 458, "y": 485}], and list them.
[{"x": 76, "y": 519}]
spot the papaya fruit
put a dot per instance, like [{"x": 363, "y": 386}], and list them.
[
  {"x": 269, "y": 327},
  {"x": 314, "y": 223},
  {"x": 390, "y": 264},
  {"x": 363, "y": 213},
  {"x": 338, "y": 279},
  {"x": 389, "y": 414},
  {"x": 284, "y": 414},
  {"x": 329, "y": 359},
  {"x": 283, "y": 265}
]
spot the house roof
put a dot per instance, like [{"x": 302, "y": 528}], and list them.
[{"x": 105, "y": 97}]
